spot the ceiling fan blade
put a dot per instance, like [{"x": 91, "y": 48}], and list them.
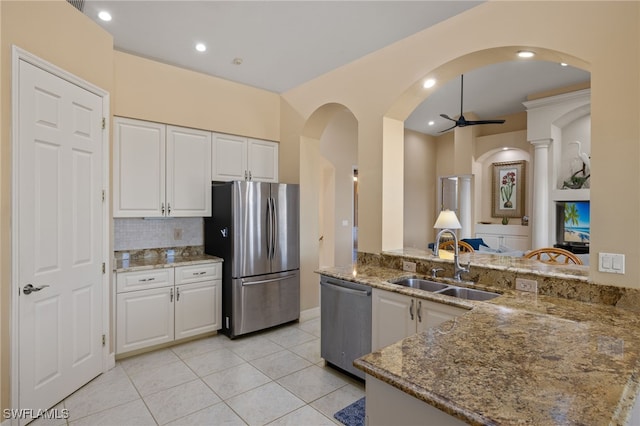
[
  {"x": 446, "y": 130},
  {"x": 471, "y": 123},
  {"x": 447, "y": 117}
]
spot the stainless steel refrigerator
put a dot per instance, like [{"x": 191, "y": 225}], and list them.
[{"x": 255, "y": 228}]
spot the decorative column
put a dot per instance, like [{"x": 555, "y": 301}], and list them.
[
  {"x": 465, "y": 206},
  {"x": 540, "y": 211}
]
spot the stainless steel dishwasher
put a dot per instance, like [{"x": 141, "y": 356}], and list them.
[{"x": 345, "y": 320}]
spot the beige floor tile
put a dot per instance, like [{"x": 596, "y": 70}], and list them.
[
  {"x": 251, "y": 348},
  {"x": 264, "y": 404},
  {"x": 303, "y": 416},
  {"x": 148, "y": 361},
  {"x": 337, "y": 400},
  {"x": 289, "y": 336},
  {"x": 179, "y": 401},
  {"x": 151, "y": 381},
  {"x": 309, "y": 351},
  {"x": 131, "y": 413},
  {"x": 311, "y": 326},
  {"x": 311, "y": 383},
  {"x": 236, "y": 380},
  {"x": 110, "y": 389},
  {"x": 218, "y": 415},
  {"x": 201, "y": 346},
  {"x": 49, "y": 420},
  {"x": 213, "y": 361},
  {"x": 280, "y": 364}
]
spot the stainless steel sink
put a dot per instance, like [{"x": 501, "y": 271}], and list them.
[
  {"x": 468, "y": 293},
  {"x": 420, "y": 284}
]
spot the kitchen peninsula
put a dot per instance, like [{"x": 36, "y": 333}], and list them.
[{"x": 520, "y": 358}]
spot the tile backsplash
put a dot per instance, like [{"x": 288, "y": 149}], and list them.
[{"x": 137, "y": 233}]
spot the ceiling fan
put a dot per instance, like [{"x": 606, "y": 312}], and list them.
[{"x": 461, "y": 121}]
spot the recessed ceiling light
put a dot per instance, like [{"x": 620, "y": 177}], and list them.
[
  {"x": 431, "y": 123},
  {"x": 201, "y": 47},
  {"x": 564, "y": 64},
  {"x": 104, "y": 15},
  {"x": 428, "y": 83},
  {"x": 525, "y": 54}
]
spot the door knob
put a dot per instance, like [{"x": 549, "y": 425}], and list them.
[{"x": 29, "y": 288}]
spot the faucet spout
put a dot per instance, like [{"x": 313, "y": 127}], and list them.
[{"x": 457, "y": 268}]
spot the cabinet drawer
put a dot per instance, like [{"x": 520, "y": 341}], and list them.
[
  {"x": 197, "y": 273},
  {"x": 142, "y": 280}
]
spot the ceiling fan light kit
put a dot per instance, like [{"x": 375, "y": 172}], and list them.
[{"x": 461, "y": 121}]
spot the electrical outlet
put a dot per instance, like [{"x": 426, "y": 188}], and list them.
[
  {"x": 177, "y": 234},
  {"x": 527, "y": 285},
  {"x": 409, "y": 266}
]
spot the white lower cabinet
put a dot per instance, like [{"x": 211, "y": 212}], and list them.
[
  {"x": 162, "y": 305},
  {"x": 396, "y": 316}
]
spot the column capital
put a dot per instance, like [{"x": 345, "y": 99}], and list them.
[{"x": 541, "y": 143}]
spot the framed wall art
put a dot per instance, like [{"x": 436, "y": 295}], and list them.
[{"x": 508, "y": 189}]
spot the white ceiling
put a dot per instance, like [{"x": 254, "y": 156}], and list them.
[{"x": 283, "y": 44}]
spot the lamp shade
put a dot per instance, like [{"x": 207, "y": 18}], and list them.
[{"x": 447, "y": 219}]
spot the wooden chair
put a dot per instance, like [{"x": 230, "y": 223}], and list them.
[
  {"x": 554, "y": 256},
  {"x": 462, "y": 246}
]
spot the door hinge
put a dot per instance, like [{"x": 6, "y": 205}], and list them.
[
  {"x": 104, "y": 195},
  {"x": 104, "y": 268},
  {"x": 104, "y": 123},
  {"x": 104, "y": 340}
]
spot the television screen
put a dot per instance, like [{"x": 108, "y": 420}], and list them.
[{"x": 574, "y": 222}]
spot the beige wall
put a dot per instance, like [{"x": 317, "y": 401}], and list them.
[
  {"x": 58, "y": 33},
  {"x": 338, "y": 144},
  {"x": 154, "y": 91},
  {"x": 556, "y": 32},
  {"x": 420, "y": 186}
]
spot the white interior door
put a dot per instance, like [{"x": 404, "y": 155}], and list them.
[{"x": 59, "y": 246}]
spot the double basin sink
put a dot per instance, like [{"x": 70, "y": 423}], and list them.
[{"x": 446, "y": 289}]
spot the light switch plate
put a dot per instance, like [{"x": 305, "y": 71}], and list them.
[
  {"x": 408, "y": 266},
  {"x": 612, "y": 263},
  {"x": 527, "y": 285}
]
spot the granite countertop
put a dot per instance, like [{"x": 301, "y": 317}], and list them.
[
  {"x": 138, "y": 264},
  {"x": 520, "y": 358}
]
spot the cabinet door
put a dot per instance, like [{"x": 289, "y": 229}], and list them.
[
  {"x": 433, "y": 314},
  {"x": 138, "y": 168},
  {"x": 263, "y": 160},
  {"x": 198, "y": 308},
  {"x": 144, "y": 318},
  {"x": 391, "y": 318},
  {"x": 188, "y": 172},
  {"x": 517, "y": 242},
  {"x": 229, "y": 158}
]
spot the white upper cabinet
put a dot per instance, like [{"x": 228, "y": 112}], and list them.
[
  {"x": 263, "y": 160},
  {"x": 188, "y": 172},
  {"x": 239, "y": 158},
  {"x": 139, "y": 153},
  {"x": 229, "y": 157},
  {"x": 160, "y": 170}
]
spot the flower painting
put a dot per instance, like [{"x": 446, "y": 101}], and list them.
[{"x": 508, "y": 189}]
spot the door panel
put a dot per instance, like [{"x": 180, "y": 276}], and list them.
[
  {"x": 265, "y": 301},
  {"x": 287, "y": 242},
  {"x": 250, "y": 229},
  {"x": 59, "y": 236}
]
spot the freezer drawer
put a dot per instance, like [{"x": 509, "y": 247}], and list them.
[
  {"x": 264, "y": 301},
  {"x": 345, "y": 321}
]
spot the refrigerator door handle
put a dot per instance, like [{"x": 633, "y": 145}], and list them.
[
  {"x": 272, "y": 280},
  {"x": 268, "y": 230},
  {"x": 274, "y": 227}
]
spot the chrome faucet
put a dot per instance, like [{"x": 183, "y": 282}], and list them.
[{"x": 457, "y": 268}]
